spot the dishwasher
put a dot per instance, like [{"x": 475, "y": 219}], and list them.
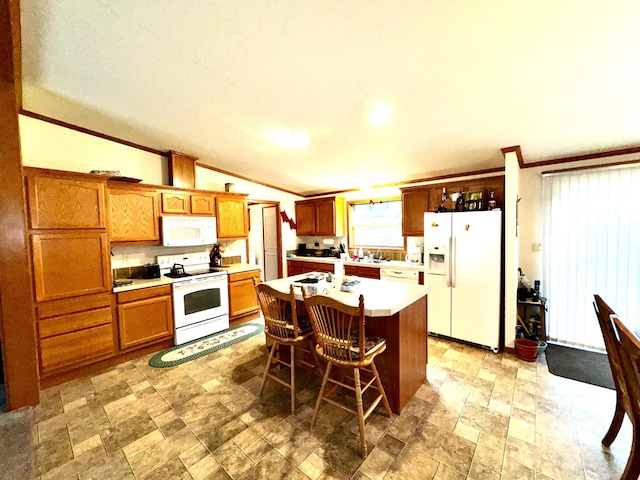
[{"x": 404, "y": 276}]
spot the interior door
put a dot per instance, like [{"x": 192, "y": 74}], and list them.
[
  {"x": 270, "y": 242},
  {"x": 437, "y": 231},
  {"x": 475, "y": 267}
]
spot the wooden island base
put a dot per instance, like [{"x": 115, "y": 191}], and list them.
[{"x": 403, "y": 366}]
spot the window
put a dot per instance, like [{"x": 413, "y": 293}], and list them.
[
  {"x": 592, "y": 245},
  {"x": 376, "y": 224}
]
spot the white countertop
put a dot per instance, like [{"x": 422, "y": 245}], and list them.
[
  {"x": 239, "y": 267},
  {"x": 381, "y": 298},
  {"x": 143, "y": 283},
  {"x": 154, "y": 282},
  {"x": 395, "y": 264}
]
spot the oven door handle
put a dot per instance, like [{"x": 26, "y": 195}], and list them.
[{"x": 197, "y": 281}]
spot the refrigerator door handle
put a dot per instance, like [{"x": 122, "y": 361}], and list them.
[
  {"x": 448, "y": 266},
  {"x": 452, "y": 253}
]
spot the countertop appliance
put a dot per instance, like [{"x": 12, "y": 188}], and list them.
[
  {"x": 183, "y": 231},
  {"x": 462, "y": 266},
  {"x": 403, "y": 276},
  {"x": 200, "y": 296}
]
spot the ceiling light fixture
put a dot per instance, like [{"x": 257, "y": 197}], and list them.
[
  {"x": 380, "y": 114},
  {"x": 286, "y": 138}
]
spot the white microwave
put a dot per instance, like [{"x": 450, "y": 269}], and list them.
[{"x": 188, "y": 231}]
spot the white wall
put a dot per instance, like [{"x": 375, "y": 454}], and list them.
[
  {"x": 511, "y": 247},
  {"x": 46, "y": 145},
  {"x": 208, "y": 179}
]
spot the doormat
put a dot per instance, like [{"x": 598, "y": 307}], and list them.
[
  {"x": 203, "y": 346},
  {"x": 581, "y": 365}
]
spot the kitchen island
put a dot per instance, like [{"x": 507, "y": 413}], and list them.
[{"x": 397, "y": 312}]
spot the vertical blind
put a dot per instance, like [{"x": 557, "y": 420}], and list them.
[{"x": 591, "y": 245}]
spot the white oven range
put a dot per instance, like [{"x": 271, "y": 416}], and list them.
[{"x": 200, "y": 296}]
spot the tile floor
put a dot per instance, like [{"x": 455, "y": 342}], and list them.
[{"x": 478, "y": 416}]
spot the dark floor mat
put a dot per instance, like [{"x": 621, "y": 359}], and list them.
[{"x": 581, "y": 365}]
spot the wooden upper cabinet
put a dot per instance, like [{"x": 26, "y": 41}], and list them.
[
  {"x": 68, "y": 264},
  {"x": 330, "y": 216},
  {"x": 414, "y": 204},
  {"x": 232, "y": 218},
  {"x": 188, "y": 203},
  {"x": 175, "y": 202},
  {"x": 182, "y": 170},
  {"x": 65, "y": 203},
  {"x": 492, "y": 184},
  {"x": 322, "y": 217},
  {"x": 134, "y": 215},
  {"x": 306, "y": 218},
  {"x": 203, "y": 204},
  {"x": 417, "y": 200}
]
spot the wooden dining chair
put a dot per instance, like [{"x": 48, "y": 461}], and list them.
[
  {"x": 604, "y": 312},
  {"x": 629, "y": 354},
  {"x": 341, "y": 341},
  {"x": 283, "y": 327}
]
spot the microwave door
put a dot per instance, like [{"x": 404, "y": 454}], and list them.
[{"x": 183, "y": 236}]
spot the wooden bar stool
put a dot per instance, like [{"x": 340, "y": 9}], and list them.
[
  {"x": 341, "y": 340},
  {"x": 629, "y": 353},
  {"x": 623, "y": 405},
  {"x": 283, "y": 327}
]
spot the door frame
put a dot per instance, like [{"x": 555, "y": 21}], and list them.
[{"x": 271, "y": 203}]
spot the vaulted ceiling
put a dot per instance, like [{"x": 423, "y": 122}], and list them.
[{"x": 281, "y": 91}]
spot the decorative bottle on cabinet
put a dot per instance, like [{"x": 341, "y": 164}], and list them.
[{"x": 491, "y": 204}]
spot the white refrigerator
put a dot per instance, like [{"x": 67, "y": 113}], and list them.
[{"x": 463, "y": 252}]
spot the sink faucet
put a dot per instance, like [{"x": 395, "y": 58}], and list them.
[{"x": 379, "y": 254}]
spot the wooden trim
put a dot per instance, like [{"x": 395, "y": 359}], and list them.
[
  {"x": 591, "y": 167},
  {"x": 248, "y": 179},
  {"x": 588, "y": 156},
  {"x": 17, "y": 312},
  {"x": 518, "y": 152},
  {"x": 16, "y": 36},
  {"x": 417, "y": 180},
  {"x": 87, "y": 131}
]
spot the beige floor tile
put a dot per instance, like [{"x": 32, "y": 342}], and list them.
[{"x": 479, "y": 415}]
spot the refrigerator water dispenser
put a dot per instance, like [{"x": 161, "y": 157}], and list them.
[{"x": 437, "y": 256}]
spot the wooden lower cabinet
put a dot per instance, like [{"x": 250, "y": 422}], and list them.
[
  {"x": 144, "y": 316},
  {"x": 242, "y": 295},
  {"x": 75, "y": 331},
  {"x": 365, "y": 272},
  {"x": 297, "y": 267}
]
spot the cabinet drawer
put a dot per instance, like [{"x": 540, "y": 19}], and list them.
[
  {"x": 142, "y": 293},
  {"x": 66, "y": 306},
  {"x": 74, "y": 348},
  {"x": 74, "y": 321},
  {"x": 236, "y": 277}
]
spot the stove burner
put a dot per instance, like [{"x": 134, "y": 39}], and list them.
[{"x": 177, "y": 275}]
